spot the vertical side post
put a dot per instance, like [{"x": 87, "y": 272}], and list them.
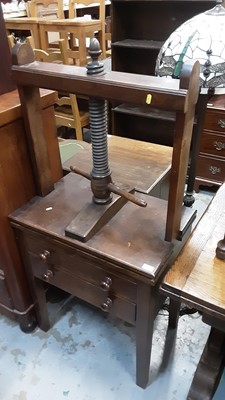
[
  {"x": 181, "y": 149},
  {"x": 33, "y": 120}
]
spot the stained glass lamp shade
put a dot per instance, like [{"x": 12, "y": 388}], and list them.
[{"x": 200, "y": 38}]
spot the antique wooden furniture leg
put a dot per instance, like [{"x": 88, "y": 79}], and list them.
[
  {"x": 41, "y": 309},
  {"x": 144, "y": 332},
  {"x": 210, "y": 368},
  {"x": 174, "y": 309}
]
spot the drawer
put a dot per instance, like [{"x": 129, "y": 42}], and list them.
[
  {"x": 79, "y": 264},
  {"x": 67, "y": 280},
  {"x": 211, "y": 168},
  {"x": 76, "y": 273},
  {"x": 213, "y": 143},
  {"x": 215, "y": 120}
]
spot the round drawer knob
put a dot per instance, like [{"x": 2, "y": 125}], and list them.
[
  {"x": 106, "y": 283},
  {"x": 47, "y": 275},
  {"x": 106, "y": 305},
  {"x": 44, "y": 255},
  {"x": 221, "y": 123}
]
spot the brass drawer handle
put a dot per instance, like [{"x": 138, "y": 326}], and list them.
[
  {"x": 214, "y": 170},
  {"x": 47, "y": 275},
  {"x": 106, "y": 283},
  {"x": 219, "y": 145},
  {"x": 106, "y": 305},
  {"x": 221, "y": 123},
  {"x": 44, "y": 256}
]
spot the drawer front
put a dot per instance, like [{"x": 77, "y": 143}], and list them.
[
  {"x": 210, "y": 168},
  {"x": 213, "y": 143},
  {"x": 71, "y": 270},
  {"x": 74, "y": 262},
  {"x": 215, "y": 121},
  {"x": 69, "y": 281}
]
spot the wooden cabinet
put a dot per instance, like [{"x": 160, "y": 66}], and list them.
[
  {"x": 211, "y": 161},
  {"x": 17, "y": 187},
  {"x": 139, "y": 28}
]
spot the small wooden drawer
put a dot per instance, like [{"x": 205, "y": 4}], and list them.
[
  {"x": 215, "y": 121},
  {"x": 70, "y": 270},
  {"x": 211, "y": 168},
  {"x": 213, "y": 143}
]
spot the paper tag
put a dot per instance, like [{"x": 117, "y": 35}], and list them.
[
  {"x": 148, "y": 99},
  {"x": 148, "y": 268}
]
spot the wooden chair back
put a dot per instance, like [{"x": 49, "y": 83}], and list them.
[
  {"x": 67, "y": 112},
  {"x": 50, "y": 9},
  {"x": 47, "y": 10},
  {"x": 78, "y": 30},
  {"x": 99, "y": 4},
  {"x": 100, "y": 14},
  {"x": 44, "y": 56}
]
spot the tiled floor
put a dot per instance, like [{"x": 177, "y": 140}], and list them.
[{"x": 87, "y": 355}]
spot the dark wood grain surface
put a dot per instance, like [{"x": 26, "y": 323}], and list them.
[
  {"x": 139, "y": 164},
  {"x": 125, "y": 240},
  {"x": 197, "y": 275}
]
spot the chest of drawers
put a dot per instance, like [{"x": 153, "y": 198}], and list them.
[{"x": 211, "y": 161}]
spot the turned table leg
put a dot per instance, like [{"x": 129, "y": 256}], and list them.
[
  {"x": 210, "y": 368},
  {"x": 174, "y": 309}
]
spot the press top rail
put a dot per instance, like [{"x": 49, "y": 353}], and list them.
[{"x": 123, "y": 87}]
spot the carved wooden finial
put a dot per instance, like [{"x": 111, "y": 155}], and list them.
[
  {"x": 22, "y": 53},
  {"x": 95, "y": 67},
  {"x": 220, "y": 250}
]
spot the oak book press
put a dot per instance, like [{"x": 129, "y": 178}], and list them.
[{"x": 103, "y": 243}]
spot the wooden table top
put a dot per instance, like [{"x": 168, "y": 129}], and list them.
[
  {"x": 10, "y": 107},
  {"x": 133, "y": 239},
  {"x": 140, "y": 164},
  {"x": 198, "y": 276}
]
